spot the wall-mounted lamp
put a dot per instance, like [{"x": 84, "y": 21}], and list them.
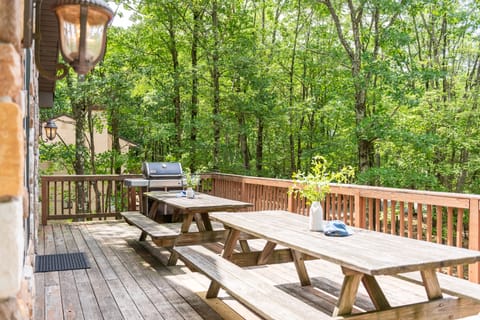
[
  {"x": 82, "y": 34},
  {"x": 50, "y": 130}
]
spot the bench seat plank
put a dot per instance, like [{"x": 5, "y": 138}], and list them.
[
  {"x": 450, "y": 285},
  {"x": 169, "y": 234},
  {"x": 149, "y": 226},
  {"x": 250, "y": 289}
]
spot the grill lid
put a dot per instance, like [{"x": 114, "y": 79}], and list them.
[{"x": 162, "y": 170}]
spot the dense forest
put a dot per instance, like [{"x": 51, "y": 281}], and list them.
[{"x": 259, "y": 87}]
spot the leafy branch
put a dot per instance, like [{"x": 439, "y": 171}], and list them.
[{"x": 315, "y": 185}]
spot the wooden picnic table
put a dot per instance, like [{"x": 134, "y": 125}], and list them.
[
  {"x": 188, "y": 210},
  {"x": 361, "y": 256}
]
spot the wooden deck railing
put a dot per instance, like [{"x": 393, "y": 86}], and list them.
[
  {"x": 448, "y": 218},
  {"x": 84, "y": 197}
]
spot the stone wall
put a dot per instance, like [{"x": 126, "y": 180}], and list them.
[{"x": 16, "y": 276}]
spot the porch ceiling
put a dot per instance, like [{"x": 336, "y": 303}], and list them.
[{"x": 48, "y": 52}]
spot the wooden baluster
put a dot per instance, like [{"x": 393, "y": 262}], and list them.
[
  {"x": 419, "y": 221},
  {"x": 460, "y": 239},
  {"x": 401, "y": 215},
  {"x": 393, "y": 217},
  {"x": 410, "y": 220},
  {"x": 385, "y": 215},
  {"x": 450, "y": 232},
  {"x": 429, "y": 223}
]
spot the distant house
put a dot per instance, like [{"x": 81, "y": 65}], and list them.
[{"x": 102, "y": 139}]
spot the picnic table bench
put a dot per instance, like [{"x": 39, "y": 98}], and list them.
[
  {"x": 255, "y": 292},
  {"x": 362, "y": 257},
  {"x": 169, "y": 234}
]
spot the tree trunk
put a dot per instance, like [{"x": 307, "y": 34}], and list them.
[
  {"x": 91, "y": 131},
  {"x": 259, "y": 146},
  {"x": 216, "y": 86},
  {"x": 116, "y": 150},
  {"x": 176, "y": 80},
  {"x": 80, "y": 151},
  {"x": 91, "y": 134},
  {"x": 355, "y": 50},
  {"x": 242, "y": 137},
  {"x": 197, "y": 15},
  {"x": 79, "y": 111},
  {"x": 291, "y": 73}
]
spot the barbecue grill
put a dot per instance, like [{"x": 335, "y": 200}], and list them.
[{"x": 158, "y": 176}]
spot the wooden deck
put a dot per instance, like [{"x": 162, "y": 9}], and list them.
[{"x": 130, "y": 280}]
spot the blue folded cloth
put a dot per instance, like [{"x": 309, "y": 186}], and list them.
[
  {"x": 337, "y": 228},
  {"x": 182, "y": 193}
]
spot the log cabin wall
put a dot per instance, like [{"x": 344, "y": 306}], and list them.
[{"x": 18, "y": 189}]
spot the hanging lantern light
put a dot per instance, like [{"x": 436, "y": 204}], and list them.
[
  {"x": 83, "y": 32},
  {"x": 50, "y": 130}
]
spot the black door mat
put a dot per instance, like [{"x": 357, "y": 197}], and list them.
[{"x": 61, "y": 262}]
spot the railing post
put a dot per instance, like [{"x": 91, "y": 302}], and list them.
[
  {"x": 45, "y": 200},
  {"x": 243, "y": 193},
  {"x": 474, "y": 239},
  {"x": 214, "y": 180},
  {"x": 290, "y": 202},
  {"x": 132, "y": 198},
  {"x": 359, "y": 216}
]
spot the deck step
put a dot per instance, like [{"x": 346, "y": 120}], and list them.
[
  {"x": 151, "y": 227},
  {"x": 252, "y": 290},
  {"x": 450, "y": 285}
]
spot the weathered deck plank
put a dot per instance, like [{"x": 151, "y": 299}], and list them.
[
  {"x": 137, "y": 285},
  {"x": 105, "y": 301},
  {"x": 68, "y": 288},
  {"x": 39, "y": 306},
  {"x": 53, "y": 299},
  {"x": 129, "y": 280},
  {"x": 88, "y": 301}
]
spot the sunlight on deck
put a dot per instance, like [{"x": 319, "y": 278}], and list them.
[{"x": 130, "y": 280}]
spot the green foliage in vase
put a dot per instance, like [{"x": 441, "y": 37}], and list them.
[
  {"x": 315, "y": 185},
  {"x": 193, "y": 178}
]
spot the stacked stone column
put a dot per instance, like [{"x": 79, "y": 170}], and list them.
[{"x": 15, "y": 303}]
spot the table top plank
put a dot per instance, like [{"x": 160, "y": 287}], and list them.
[
  {"x": 200, "y": 204},
  {"x": 365, "y": 251}
]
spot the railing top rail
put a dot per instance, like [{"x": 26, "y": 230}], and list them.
[
  {"x": 459, "y": 200},
  {"x": 89, "y": 177},
  {"x": 275, "y": 182},
  {"x": 406, "y": 191}
]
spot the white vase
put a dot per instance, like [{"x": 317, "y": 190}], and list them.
[
  {"x": 190, "y": 193},
  {"x": 316, "y": 216}
]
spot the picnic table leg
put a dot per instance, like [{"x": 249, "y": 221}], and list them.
[
  {"x": 230, "y": 243},
  {"x": 375, "y": 292},
  {"x": 151, "y": 214},
  {"x": 430, "y": 281},
  {"x": 348, "y": 293},
  {"x": 143, "y": 236},
  {"x": 200, "y": 222},
  {"x": 244, "y": 245},
  {"x": 187, "y": 222},
  {"x": 206, "y": 221},
  {"x": 299, "y": 261},
  {"x": 266, "y": 253}
]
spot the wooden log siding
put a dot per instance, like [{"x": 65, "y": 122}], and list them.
[
  {"x": 424, "y": 215},
  {"x": 104, "y": 196}
]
